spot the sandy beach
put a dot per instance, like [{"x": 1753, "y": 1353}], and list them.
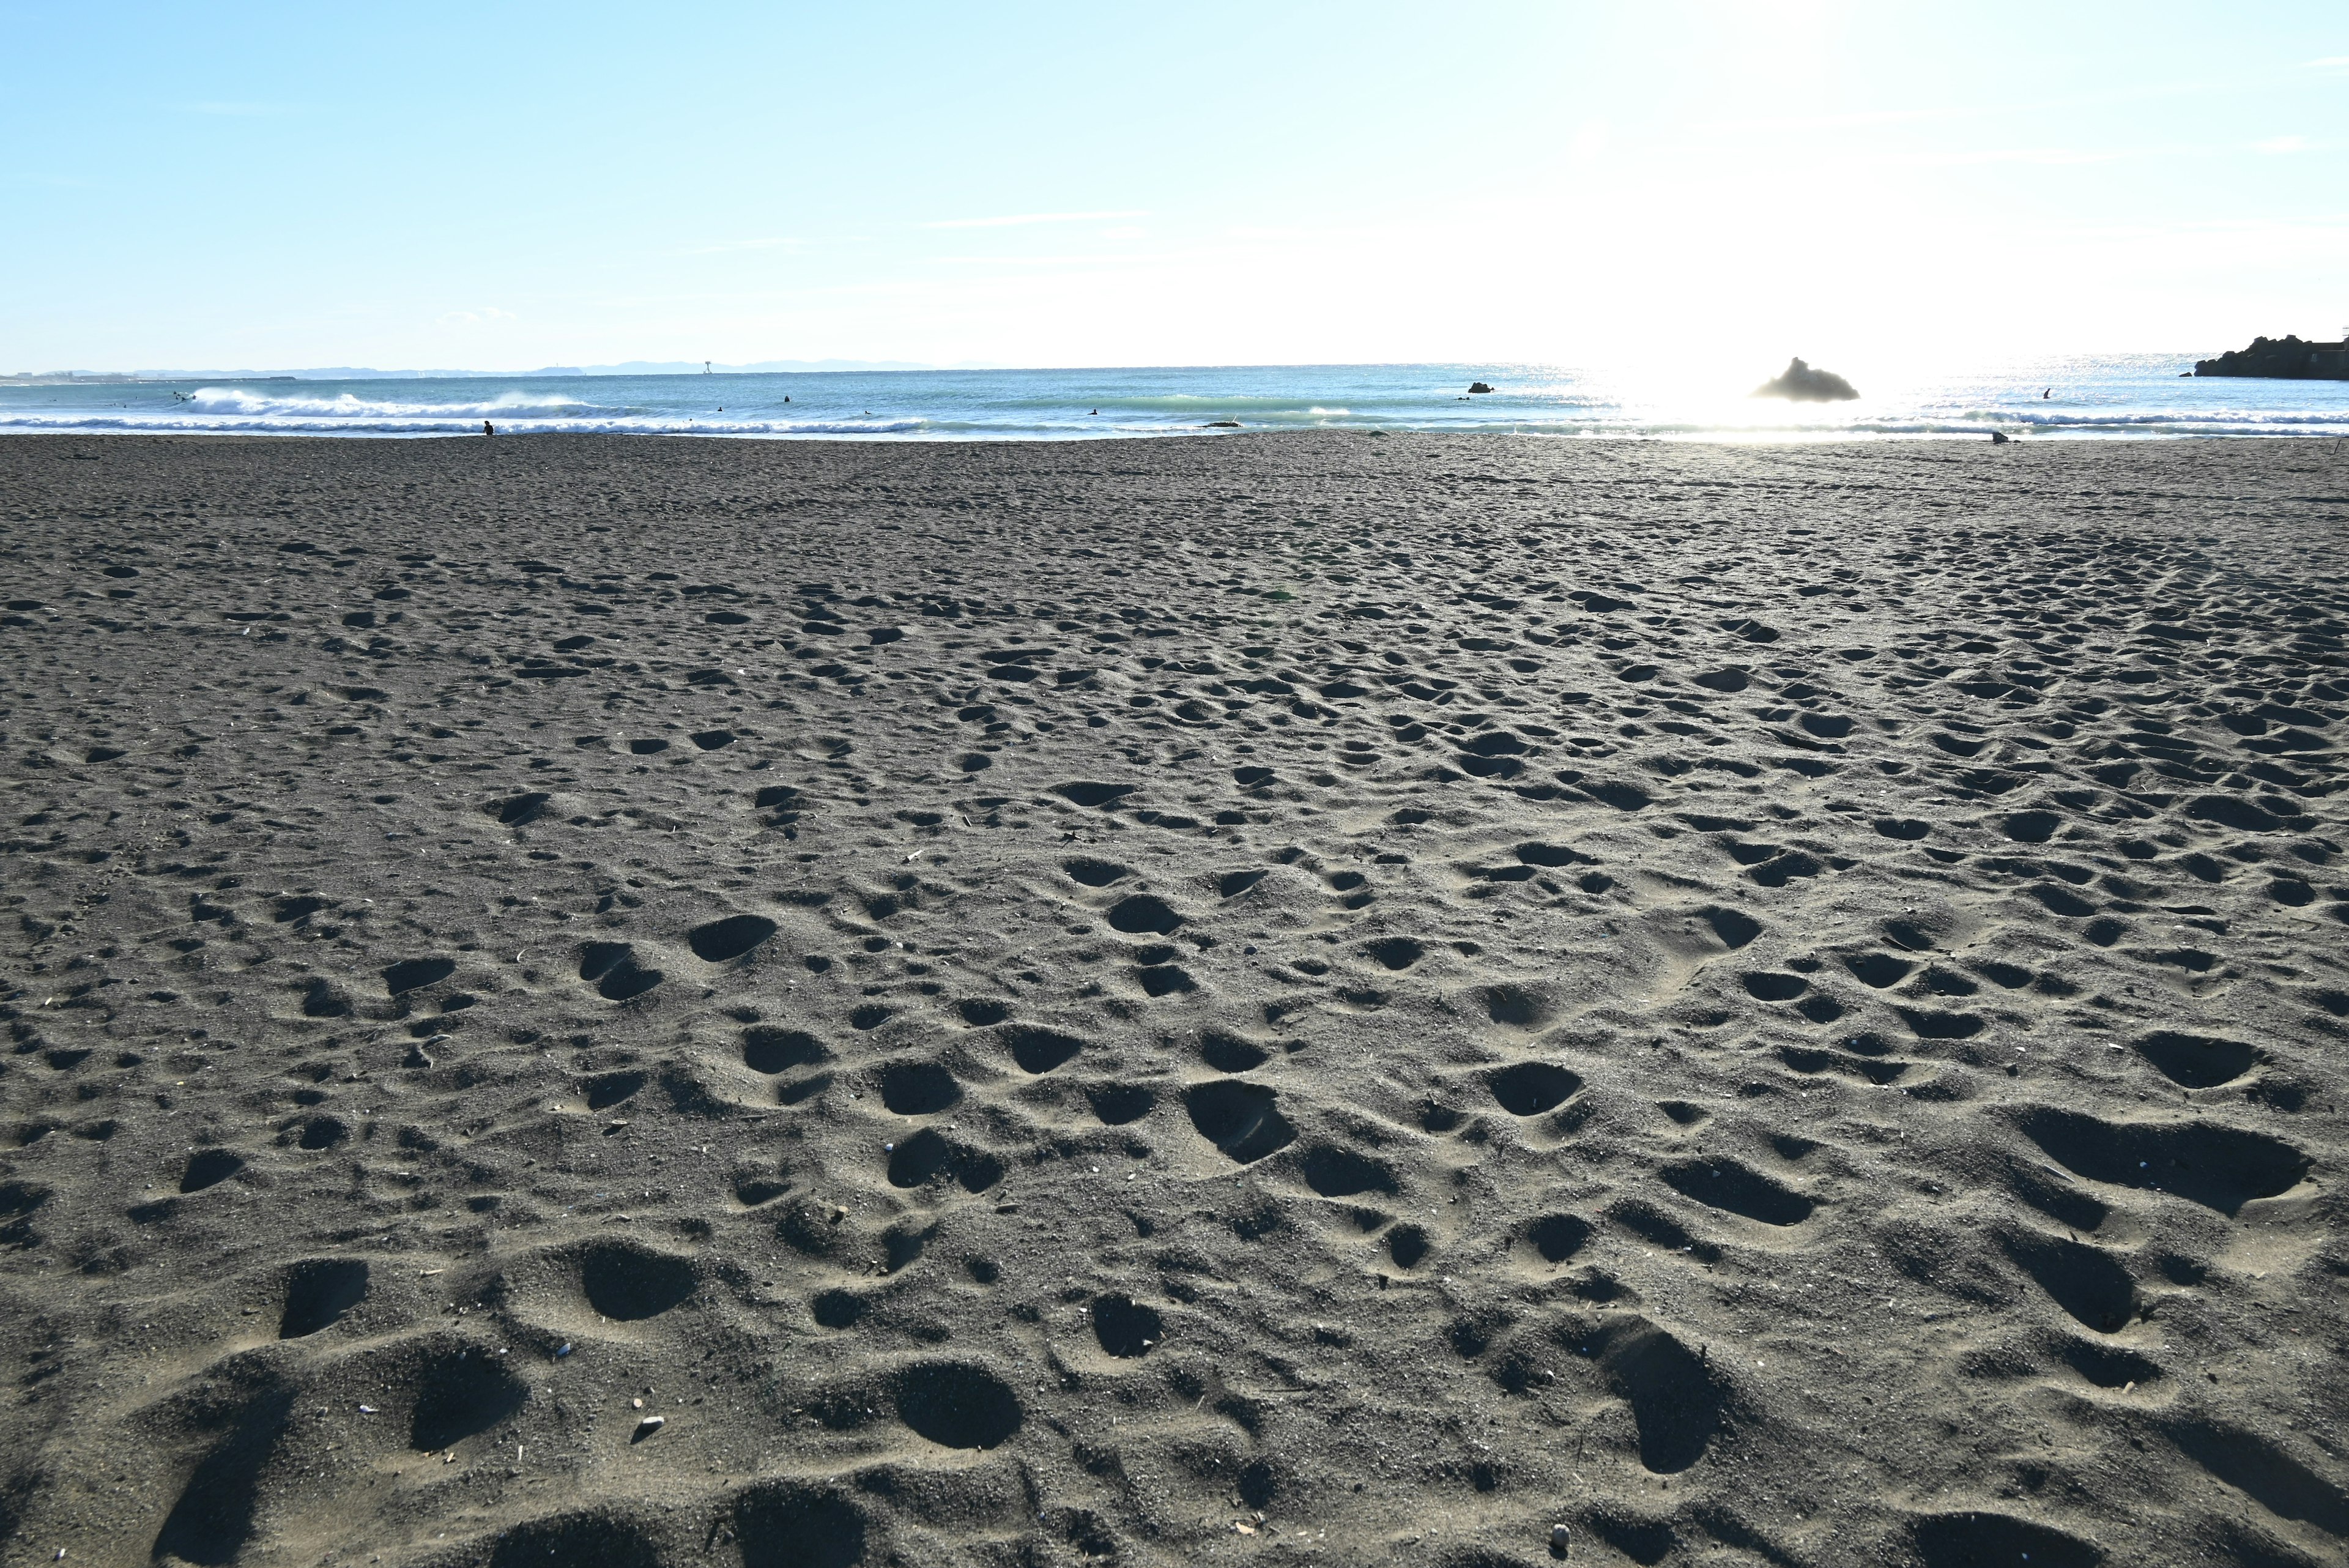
[{"x": 1293, "y": 998}]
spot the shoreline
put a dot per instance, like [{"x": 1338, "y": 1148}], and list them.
[{"x": 1709, "y": 438}]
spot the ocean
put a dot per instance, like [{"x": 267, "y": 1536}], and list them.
[{"x": 2108, "y": 397}]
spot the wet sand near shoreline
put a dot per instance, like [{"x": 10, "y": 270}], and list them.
[{"x": 1305, "y": 998}]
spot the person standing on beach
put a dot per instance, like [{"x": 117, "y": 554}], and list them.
[{"x": 487, "y": 429}]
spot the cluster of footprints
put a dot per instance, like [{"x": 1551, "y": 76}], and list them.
[{"x": 1324, "y": 999}]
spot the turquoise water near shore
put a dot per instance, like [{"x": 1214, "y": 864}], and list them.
[{"x": 2106, "y": 397}]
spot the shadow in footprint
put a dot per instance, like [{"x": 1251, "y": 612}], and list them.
[
  {"x": 788, "y": 1524},
  {"x": 2109, "y": 1365},
  {"x": 1646, "y": 1542},
  {"x": 1516, "y": 1007},
  {"x": 319, "y": 1292},
  {"x": 956, "y": 1404},
  {"x": 209, "y": 1168},
  {"x": 837, "y": 1308},
  {"x": 766, "y": 1049},
  {"x": 1238, "y": 1118},
  {"x": 2258, "y": 1468},
  {"x": 516, "y": 810},
  {"x": 415, "y": 974},
  {"x": 1878, "y": 970},
  {"x": 1529, "y": 1088},
  {"x": 1915, "y": 936},
  {"x": 613, "y": 967},
  {"x": 1117, "y": 1103},
  {"x": 1727, "y": 1185},
  {"x": 591, "y": 1538},
  {"x": 1733, "y": 928},
  {"x": 1980, "y": 1540},
  {"x": 730, "y": 937},
  {"x": 611, "y": 1088},
  {"x": 1229, "y": 1052},
  {"x": 1140, "y": 914},
  {"x": 627, "y": 1283},
  {"x": 2088, "y": 1284},
  {"x": 1335, "y": 1172},
  {"x": 2030, "y": 827},
  {"x": 2197, "y": 1061},
  {"x": 1622, "y": 796},
  {"x": 930, "y": 1157},
  {"x": 1764, "y": 985},
  {"x": 1040, "y": 1050},
  {"x": 918, "y": 1088},
  {"x": 2218, "y": 1167},
  {"x": 1558, "y": 1237},
  {"x": 1928, "y": 1025},
  {"x": 458, "y": 1393},
  {"x": 1396, "y": 952},
  {"x": 322, "y": 1133},
  {"x": 1093, "y": 795},
  {"x": 1094, "y": 873},
  {"x": 212, "y": 1519},
  {"x": 1124, "y": 1328},
  {"x": 1676, "y": 1405}
]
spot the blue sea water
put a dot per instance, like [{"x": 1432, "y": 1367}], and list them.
[{"x": 2105, "y": 397}]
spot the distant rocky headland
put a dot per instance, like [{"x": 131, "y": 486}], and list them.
[
  {"x": 1802, "y": 383},
  {"x": 2285, "y": 359}
]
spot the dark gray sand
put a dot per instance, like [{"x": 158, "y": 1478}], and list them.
[{"x": 1314, "y": 998}]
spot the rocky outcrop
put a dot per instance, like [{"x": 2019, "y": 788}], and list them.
[
  {"x": 1475, "y": 386},
  {"x": 1803, "y": 384},
  {"x": 2285, "y": 359}
]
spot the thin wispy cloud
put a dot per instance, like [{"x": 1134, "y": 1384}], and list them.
[
  {"x": 1863, "y": 118},
  {"x": 2040, "y": 155},
  {"x": 1019, "y": 261},
  {"x": 1017, "y": 219},
  {"x": 235, "y": 110},
  {"x": 771, "y": 242}
]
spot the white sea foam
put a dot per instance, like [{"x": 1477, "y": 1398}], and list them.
[{"x": 513, "y": 404}]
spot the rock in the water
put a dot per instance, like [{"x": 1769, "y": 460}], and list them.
[
  {"x": 1478, "y": 387},
  {"x": 1802, "y": 384},
  {"x": 1998, "y": 438}
]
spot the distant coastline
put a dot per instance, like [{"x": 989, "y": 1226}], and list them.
[{"x": 2285, "y": 359}]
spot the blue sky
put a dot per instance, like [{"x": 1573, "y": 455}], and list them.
[{"x": 502, "y": 187}]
